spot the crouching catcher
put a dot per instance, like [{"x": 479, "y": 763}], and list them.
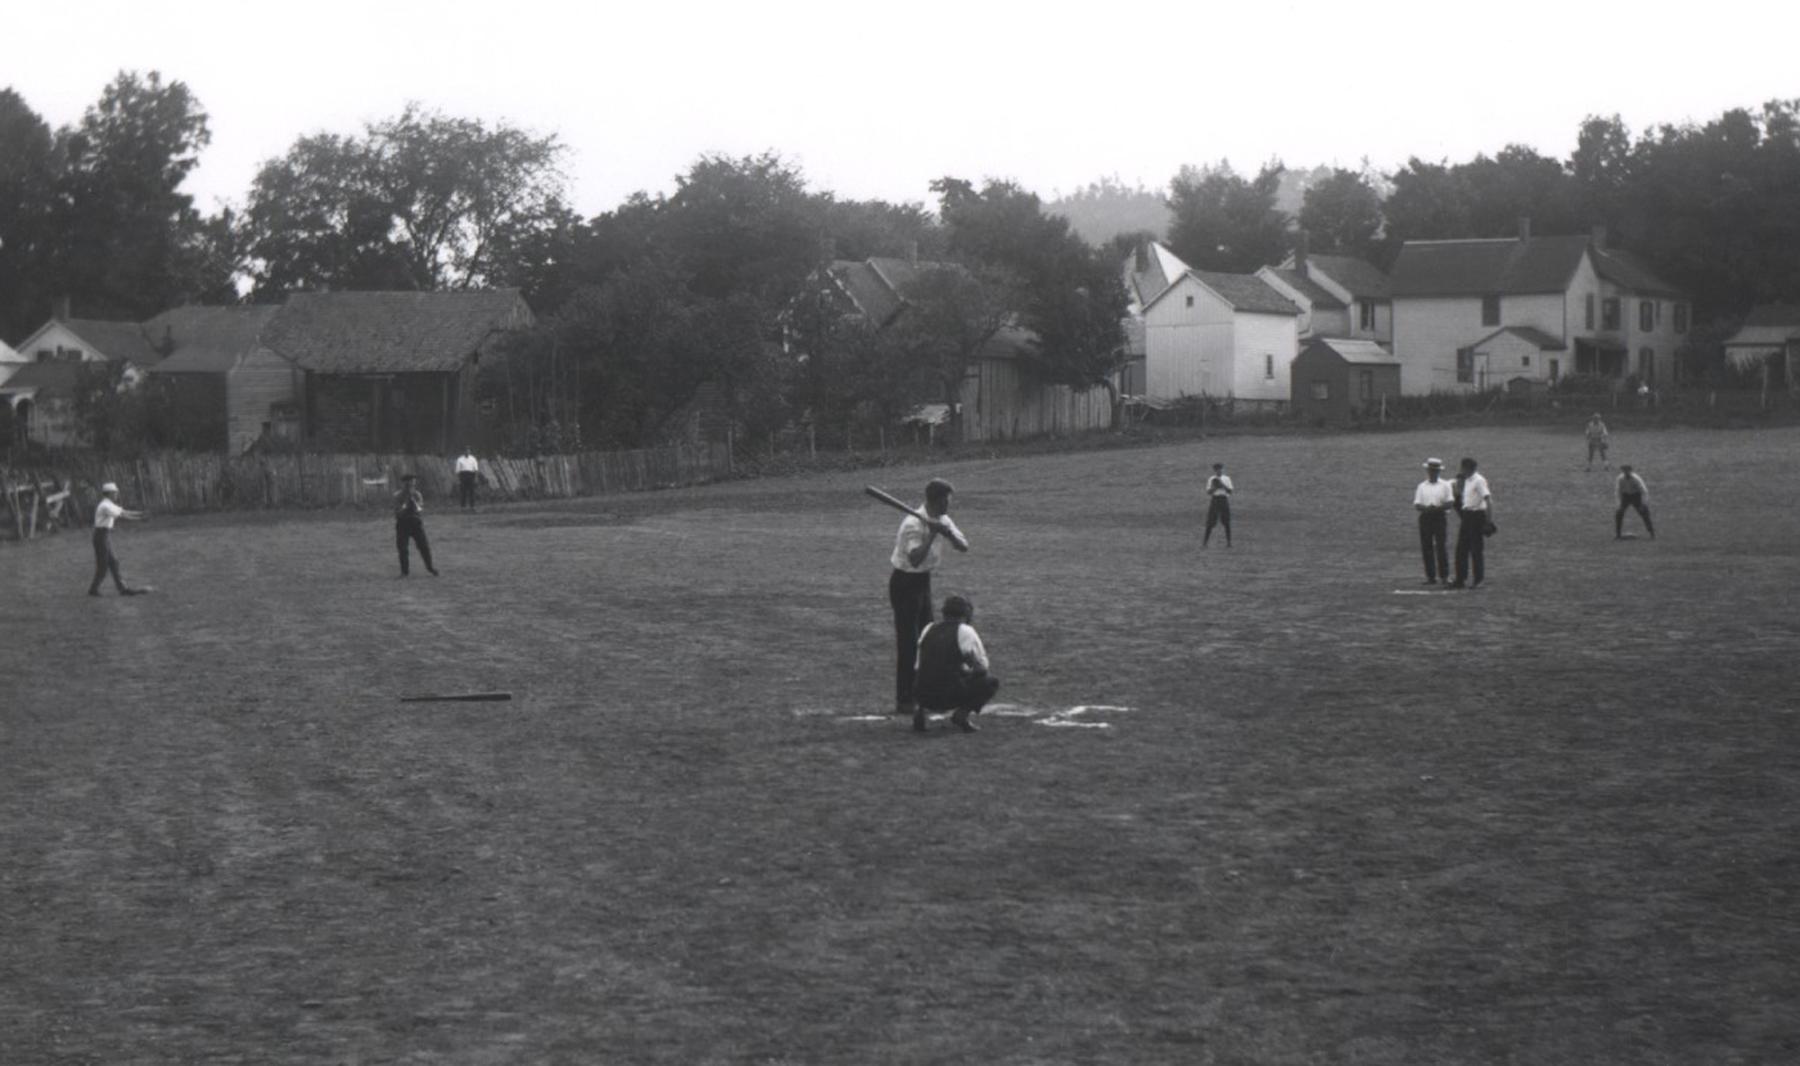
[{"x": 952, "y": 669}]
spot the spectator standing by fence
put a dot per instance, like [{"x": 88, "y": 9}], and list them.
[
  {"x": 105, "y": 514},
  {"x": 409, "y": 525},
  {"x": 468, "y": 471}
]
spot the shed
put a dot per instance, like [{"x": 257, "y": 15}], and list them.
[{"x": 1336, "y": 379}]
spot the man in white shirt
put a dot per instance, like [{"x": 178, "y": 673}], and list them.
[
  {"x": 953, "y": 668},
  {"x": 105, "y": 562},
  {"x": 918, "y": 547},
  {"x": 1434, "y": 499},
  {"x": 1218, "y": 504},
  {"x": 1632, "y": 493},
  {"x": 1475, "y": 502},
  {"x": 468, "y": 469}
]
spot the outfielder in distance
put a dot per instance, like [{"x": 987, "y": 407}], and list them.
[{"x": 918, "y": 548}]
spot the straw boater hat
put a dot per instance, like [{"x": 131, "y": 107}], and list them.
[
  {"x": 1434, "y": 461},
  {"x": 108, "y": 487}
]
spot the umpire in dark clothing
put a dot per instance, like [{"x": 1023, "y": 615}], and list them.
[{"x": 409, "y": 525}]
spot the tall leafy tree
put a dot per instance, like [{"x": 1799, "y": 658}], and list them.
[
  {"x": 27, "y": 189},
  {"x": 1221, "y": 221},
  {"x": 421, "y": 201},
  {"x": 126, "y": 233},
  {"x": 1430, "y": 201},
  {"x": 1341, "y": 214}
]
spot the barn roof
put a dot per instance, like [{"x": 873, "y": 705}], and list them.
[
  {"x": 1363, "y": 278},
  {"x": 1307, "y": 287},
  {"x": 48, "y": 377},
  {"x": 1363, "y": 353},
  {"x": 1246, "y": 292},
  {"x": 115, "y": 340},
  {"x": 390, "y": 332},
  {"x": 208, "y": 339},
  {"x": 1505, "y": 266}
]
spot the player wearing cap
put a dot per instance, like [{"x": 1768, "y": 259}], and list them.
[
  {"x": 1597, "y": 440},
  {"x": 105, "y": 514},
  {"x": 1633, "y": 494},
  {"x": 1434, "y": 499},
  {"x": 1218, "y": 505},
  {"x": 953, "y": 668},
  {"x": 409, "y": 524},
  {"x": 918, "y": 548}
]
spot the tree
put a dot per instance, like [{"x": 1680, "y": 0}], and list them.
[
  {"x": 1600, "y": 168},
  {"x": 950, "y": 313},
  {"x": 421, "y": 201},
  {"x": 1342, "y": 215},
  {"x": 26, "y": 194},
  {"x": 1516, "y": 184},
  {"x": 110, "y": 412},
  {"x": 124, "y": 230},
  {"x": 1222, "y": 222}
]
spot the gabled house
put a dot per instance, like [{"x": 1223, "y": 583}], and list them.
[
  {"x": 1339, "y": 295},
  {"x": 1475, "y": 314},
  {"x": 91, "y": 340},
  {"x": 1769, "y": 343},
  {"x": 41, "y": 386},
  {"x": 42, "y": 398},
  {"x": 10, "y": 361},
  {"x": 1336, "y": 379},
  {"x": 1000, "y": 397},
  {"x": 1226, "y": 336}
]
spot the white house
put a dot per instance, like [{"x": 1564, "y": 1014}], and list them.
[
  {"x": 41, "y": 388},
  {"x": 1339, "y": 295},
  {"x": 10, "y": 361},
  {"x": 1475, "y": 314},
  {"x": 1227, "y": 336}
]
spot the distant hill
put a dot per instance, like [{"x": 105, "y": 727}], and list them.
[{"x": 1108, "y": 207}]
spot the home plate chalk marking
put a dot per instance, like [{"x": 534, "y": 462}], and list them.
[{"x": 1075, "y": 717}]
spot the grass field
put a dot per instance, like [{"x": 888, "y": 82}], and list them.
[{"x": 1552, "y": 821}]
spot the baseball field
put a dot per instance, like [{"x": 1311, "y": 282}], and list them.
[{"x": 1265, "y": 804}]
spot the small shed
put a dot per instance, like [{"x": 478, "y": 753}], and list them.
[{"x": 1336, "y": 379}]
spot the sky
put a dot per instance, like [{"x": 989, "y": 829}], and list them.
[{"x": 874, "y": 101}]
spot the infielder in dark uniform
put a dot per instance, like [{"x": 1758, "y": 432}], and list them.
[
  {"x": 1218, "y": 507},
  {"x": 409, "y": 525},
  {"x": 918, "y": 547},
  {"x": 953, "y": 668}
]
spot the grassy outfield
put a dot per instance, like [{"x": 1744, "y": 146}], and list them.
[{"x": 1552, "y": 821}]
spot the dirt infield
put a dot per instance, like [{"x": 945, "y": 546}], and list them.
[{"x": 1551, "y": 821}]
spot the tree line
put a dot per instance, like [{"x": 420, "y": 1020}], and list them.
[{"x": 713, "y": 296}]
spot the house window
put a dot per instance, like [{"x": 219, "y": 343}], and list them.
[
  {"x": 1646, "y": 315},
  {"x": 1190, "y": 301},
  {"x": 1366, "y": 383},
  {"x": 1555, "y": 369},
  {"x": 1610, "y": 315},
  {"x": 1269, "y": 367},
  {"x": 1365, "y": 310},
  {"x": 1647, "y": 365},
  {"x": 1465, "y": 364},
  {"x": 1321, "y": 390},
  {"x": 1590, "y": 310},
  {"x": 45, "y": 355},
  {"x": 1681, "y": 314},
  {"x": 1525, "y": 360},
  {"x": 1490, "y": 310}
]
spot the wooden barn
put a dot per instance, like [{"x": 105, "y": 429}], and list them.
[
  {"x": 224, "y": 387},
  {"x": 1338, "y": 379},
  {"x": 1002, "y": 400}
]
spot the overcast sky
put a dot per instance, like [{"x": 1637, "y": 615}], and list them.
[{"x": 873, "y": 101}]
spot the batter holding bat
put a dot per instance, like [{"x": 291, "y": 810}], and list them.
[{"x": 918, "y": 548}]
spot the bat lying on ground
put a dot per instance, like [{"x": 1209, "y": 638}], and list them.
[
  {"x": 460, "y": 697},
  {"x": 930, "y": 522}
]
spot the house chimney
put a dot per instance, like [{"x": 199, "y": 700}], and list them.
[
  {"x": 1301, "y": 242},
  {"x": 1598, "y": 237},
  {"x": 1524, "y": 227}
]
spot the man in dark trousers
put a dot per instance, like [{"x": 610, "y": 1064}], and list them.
[
  {"x": 1434, "y": 499},
  {"x": 1218, "y": 504},
  {"x": 1475, "y": 504},
  {"x": 1633, "y": 494},
  {"x": 918, "y": 547},
  {"x": 468, "y": 471},
  {"x": 105, "y": 514},
  {"x": 409, "y": 524},
  {"x": 953, "y": 668}
]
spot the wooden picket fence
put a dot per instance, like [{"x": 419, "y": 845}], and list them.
[{"x": 183, "y": 483}]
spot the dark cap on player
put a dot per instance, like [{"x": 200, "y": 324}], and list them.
[
  {"x": 1466, "y": 464},
  {"x": 957, "y": 607},
  {"x": 938, "y": 489}
]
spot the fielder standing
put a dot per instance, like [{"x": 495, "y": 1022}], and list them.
[
  {"x": 1218, "y": 505},
  {"x": 1475, "y": 503},
  {"x": 1434, "y": 499},
  {"x": 468, "y": 469},
  {"x": 1633, "y": 494},
  {"x": 105, "y": 514},
  {"x": 918, "y": 548},
  {"x": 1597, "y": 440},
  {"x": 409, "y": 524}
]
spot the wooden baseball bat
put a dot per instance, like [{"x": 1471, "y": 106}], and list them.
[
  {"x": 904, "y": 508},
  {"x": 460, "y": 697}
]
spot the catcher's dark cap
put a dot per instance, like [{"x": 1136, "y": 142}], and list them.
[
  {"x": 937, "y": 488},
  {"x": 1218, "y": 466},
  {"x": 1467, "y": 464},
  {"x": 957, "y": 607}
]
